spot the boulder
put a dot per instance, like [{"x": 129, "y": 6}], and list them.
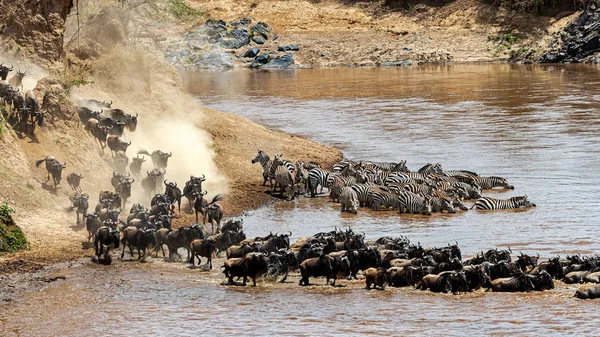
[
  {"x": 258, "y": 39},
  {"x": 262, "y": 29},
  {"x": 213, "y": 60},
  {"x": 280, "y": 62},
  {"x": 252, "y": 52},
  {"x": 291, "y": 47},
  {"x": 259, "y": 60},
  {"x": 236, "y": 38},
  {"x": 275, "y": 37}
]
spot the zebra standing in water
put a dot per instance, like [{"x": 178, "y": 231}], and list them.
[
  {"x": 486, "y": 183},
  {"x": 285, "y": 181},
  {"x": 277, "y": 162},
  {"x": 265, "y": 162},
  {"x": 487, "y": 203},
  {"x": 414, "y": 203},
  {"x": 317, "y": 177}
]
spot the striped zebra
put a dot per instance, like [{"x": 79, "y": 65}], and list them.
[
  {"x": 431, "y": 168},
  {"x": 487, "y": 203},
  {"x": 441, "y": 205},
  {"x": 414, "y": 203},
  {"x": 348, "y": 200},
  {"x": 452, "y": 173},
  {"x": 389, "y": 167},
  {"x": 362, "y": 191},
  {"x": 336, "y": 185},
  {"x": 285, "y": 181},
  {"x": 317, "y": 177},
  {"x": 424, "y": 189},
  {"x": 265, "y": 162},
  {"x": 472, "y": 191},
  {"x": 340, "y": 166},
  {"x": 486, "y": 183},
  {"x": 380, "y": 198},
  {"x": 277, "y": 161}
]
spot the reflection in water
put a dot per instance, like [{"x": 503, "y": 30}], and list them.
[{"x": 536, "y": 126}]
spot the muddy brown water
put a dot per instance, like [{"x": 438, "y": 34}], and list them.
[{"x": 535, "y": 125}]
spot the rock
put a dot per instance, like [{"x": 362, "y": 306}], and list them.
[
  {"x": 236, "y": 38},
  {"x": 258, "y": 39},
  {"x": 406, "y": 49},
  {"x": 260, "y": 60},
  {"x": 404, "y": 63},
  {"x": 214, "y": 60},
  {"x": 273, "y": 52},
  {"x": 262, "y": 29},
  {"x": 241, "y": 23},
  {"x": 291, "y": 47},
  {"x": 323, "y": 54},
  {"x": 275, "y": 37},
  {"x": 280, "y": 62},
  {"x": 252, "y": 52}
]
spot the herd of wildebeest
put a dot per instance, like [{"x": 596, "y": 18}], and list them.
[
  {"x": 339, "y": 254},
  {"x": 20, "y": 109}
]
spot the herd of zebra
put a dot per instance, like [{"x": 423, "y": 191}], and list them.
[{"x": 379, "y": 185}]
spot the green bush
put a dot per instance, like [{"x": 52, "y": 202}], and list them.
[
  {"x": 11, "y": 236},
  {"x": 182, "y": 11},
  {"x": 539, "y": 6}
]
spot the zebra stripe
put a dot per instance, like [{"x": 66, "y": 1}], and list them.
[
  {"x": 441, "y": 204},
  {"x": 380, "y": 198},
  {"x": 487, "y": 203},
  {"x": 486, "y": 183},
  {"x": 362, "y": 191},
  {"x": 317, "y": 177},
  {"x": 414, "y": 203},
  {"x": 431, "y": 168},
  {"x": 265, "y": 162}
]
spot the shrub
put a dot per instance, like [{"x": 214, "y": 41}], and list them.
[{"x": 11, "y": 236}]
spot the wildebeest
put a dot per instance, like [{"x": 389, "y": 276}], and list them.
[
  {"x": 105, "y": 238},
  {"x": 17, "y": 79},
  {"x": 518, "y": 283},
  {"x": 378, "y": 277},
  {"x": 92, "y": 223},
  {"x": 588, "y": 292},
  {"x": 54, "y": 168},
  {"x": 138, "y": 238},
  {"x": 215, "y": 213},
  {"x": 4, "y": 70},
  {"x": 252, "y": 265},
  {"x": 181, "y": 238},
  {"x": 74, "y": 179},
  {"x": 80, "y": 202},
  {"x": 173, "y": 193},
  {"x": 234, "y": 225},
  {"x": 117, "y": 177},
  {"x": 159, "y": 158},
  {"x": 242, "y": 250},
  {"x": 121, "y": 161},
  {"x": 477, "y": 277},
  {"x": 151, "y": 183},
  {"x": 448, "y": 281},
  {"x": 552, "y": 266},
  {"x": 227, "y": 238},
  {"x": 124, "y": 189},
  {"x": 86, "y": 114},
  {"x": 115, "y": 144},
  {"x": 203, "y": 248},
  {"x": 201, "y": 205},
  {"x": 282, "y": 262},
  {"x": 192, "y": 188},
  {"x": 136, "y": 166},
  {"x": 99, "y": 132},
  {"x": 315, "y": 267}
]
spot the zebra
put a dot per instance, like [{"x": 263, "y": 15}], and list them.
[
  {"x": 265, "y": 162},
  {"x": 277, "y": 161},
  {"x": 362, "y": 191},
  {"x": 414, "y": 203},
  {"x": 337, "y": 183},
  {"x": 471, "y": 191},
  {"x": 487, "y": 203},
  {"x": 431, "y": 168},
  {"x": 424, "y": 189},
  {"x": 389, "y": 167},
  {"x": 460, "y": 204},
  {"x": 380, "y": 198},
  {"x": 310, "y": 165},
  {"x": 441, "y": 204},
  {"x": 452, "y": 173},
  {"x": 301, "y": 173},
  {"x": 348, "y": 200},
  {"x": 285, "y": 181},
  {"x": 340, "y": 166},
  {"x": 486, "y": 183},
  {"x": 317, "y": 177}
]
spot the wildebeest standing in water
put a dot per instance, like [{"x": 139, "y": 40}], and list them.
[
  {"x": 159, "y": 158},
  {"x": 54, "y": 168},
  {"x": 104, "y": 239}
]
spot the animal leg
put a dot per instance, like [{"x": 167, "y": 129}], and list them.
[
  {"x": 244, "y": 282},
  {"x": 123, "y": 251}
]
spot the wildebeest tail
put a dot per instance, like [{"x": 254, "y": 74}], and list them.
[
  {"x": 39, "y": 162},
  {"x": 216, "y": 198},
  {"x": 142, "y": 151}
]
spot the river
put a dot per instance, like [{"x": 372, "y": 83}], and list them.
[{"x": 535, "y": 125}]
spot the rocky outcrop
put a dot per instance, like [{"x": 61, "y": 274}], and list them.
[
  {"x": 579, "y": 41},
  {"x": 36, "y": 26},
  {"x": 213, "y": 44}
]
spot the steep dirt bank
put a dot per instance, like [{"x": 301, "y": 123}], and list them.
[
  {"x": 202, "y": 141},
  {"x": 350, "y": 33}
]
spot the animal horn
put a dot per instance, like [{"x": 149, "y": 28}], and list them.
[
  {"x": 290, "y": 233},
  {"x": 170, "y": 154},
  {"x": 129, "y": 142},
  {"x": 129, "y": 174},
  {"x": 510, "y": 250},
  {"x": 11, "y": 67},
  {"x": 175, "y": 184},
  {"x": 456, "y": 242},
  {"x": 203, "y": 178},
  {"x": 165, "y": 182},
  {"x": 538, "y": 255},
  {"x": 136, "y": 114}
]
